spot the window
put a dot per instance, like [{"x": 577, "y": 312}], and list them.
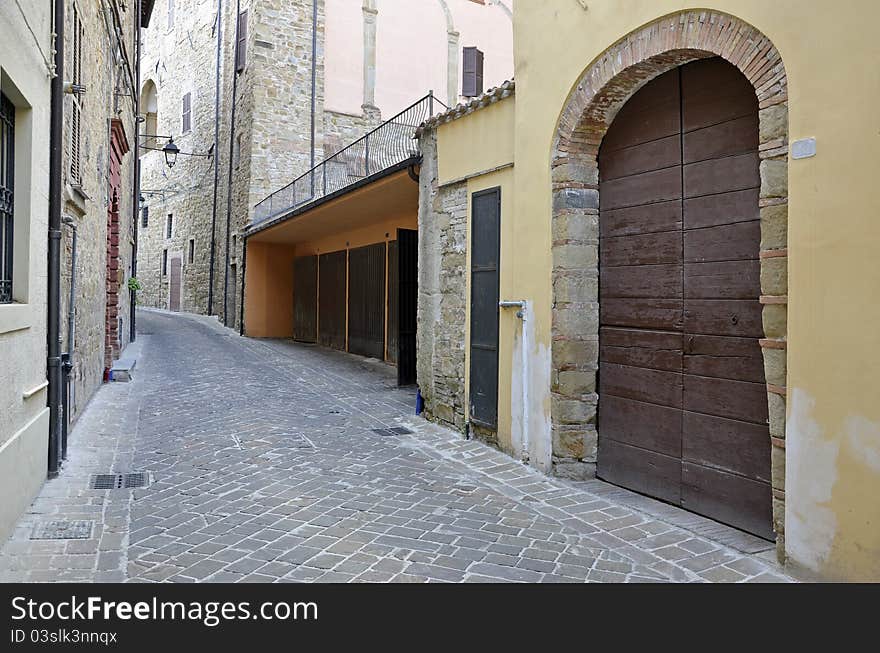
[
  {"x": 76, "y": 110},
  {"x": 150, "y": 109},
  {"x": 192, "y": 249},
  {"x": 145, "y": 217},
  {"x": 472, "y": 80},
  {"x": 168, "y": 225},
  {"x": 170, "y": 14},
  {"x": 164, "y": 262},
  {"x": 7, "y": 180},
  {"x": 241, "y": 42},
  {"x": 187, "y": 113}
]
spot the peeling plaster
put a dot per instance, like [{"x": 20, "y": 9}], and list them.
[{"x": 811, "y": 474}]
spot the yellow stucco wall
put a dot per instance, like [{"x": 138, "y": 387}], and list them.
[
  {"x": 478, "y": 148},
  {"x": 478, "y": 142},
  {"x": 830, "y": 52}
]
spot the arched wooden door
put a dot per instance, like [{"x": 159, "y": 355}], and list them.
[{"x": 682, "y": 397}]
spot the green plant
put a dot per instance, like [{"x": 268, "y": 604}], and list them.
[{"x": 133, "y": 283}]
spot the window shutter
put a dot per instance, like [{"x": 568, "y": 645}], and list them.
[
  {"x": 241, "y": 44},
  {"x": 472, "y": 79},
  {"x": 76, "y": 112},
  {"x": 187, "y": 121}
]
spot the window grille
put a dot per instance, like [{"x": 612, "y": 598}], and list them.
[{"x": 7, "y": 182}]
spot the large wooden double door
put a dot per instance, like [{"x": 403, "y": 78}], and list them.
[{"x": 682, "y": 397}]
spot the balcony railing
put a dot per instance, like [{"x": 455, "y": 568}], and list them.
[{"x": 391, "y": 143}]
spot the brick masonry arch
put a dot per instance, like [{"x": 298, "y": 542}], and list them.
[{"x": 592, "y": 105}]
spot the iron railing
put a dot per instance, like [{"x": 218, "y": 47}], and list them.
[{"x": 391, "y": 143}]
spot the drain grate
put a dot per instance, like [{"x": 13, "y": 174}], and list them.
[
  {"x": 394, "y": 430},
  {"x": 119, "y": 481},
  {"x": 79, "y": 529}
]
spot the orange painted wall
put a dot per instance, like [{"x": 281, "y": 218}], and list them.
[
  {"x": 268, "y": 293},
  {"x": 382, "y": 232}
]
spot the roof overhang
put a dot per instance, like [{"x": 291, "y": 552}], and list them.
[{"x": 393, "y": 194}]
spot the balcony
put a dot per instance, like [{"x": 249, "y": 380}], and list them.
[{"x": 390, "y": 146}]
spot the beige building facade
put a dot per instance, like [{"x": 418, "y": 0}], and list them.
[{"x": 25, "y": 72}]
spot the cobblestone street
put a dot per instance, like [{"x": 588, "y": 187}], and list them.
[{"x": 265, "y": 467}]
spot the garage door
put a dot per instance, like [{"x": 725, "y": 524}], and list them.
[
  {"x": 305, "y": 299},
  {"x": 683, "y": 405},
  {"x": 331, "y": 299},
  {"x": 366, "y": 301}
]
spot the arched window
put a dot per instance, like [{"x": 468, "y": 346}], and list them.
[{"x": 150, "y": 110}]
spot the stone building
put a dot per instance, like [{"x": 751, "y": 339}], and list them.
[
  {"x": 303, "y": 78},
  {"x": 97, "y": 180},
  {"x": 98, "y": 186},
  {"x": 679, "y": 315}
]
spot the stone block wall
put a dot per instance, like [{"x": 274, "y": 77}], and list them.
[
  {"x": 442, "y": 301},
  {"x": 109, "y": 96},
  {"x": 180, "y": 60}
]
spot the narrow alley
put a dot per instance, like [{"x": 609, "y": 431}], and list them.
[{"x": 271, "y": 461}]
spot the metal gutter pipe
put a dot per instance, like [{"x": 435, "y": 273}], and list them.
[
  {"x": 216, "y": 157},
  {"x": 67, "y": 357},
  {"x": 136, "y": 182},
  {"x": 229, "y": 176},
  {"x": 522, "y": 314},
  {"x": 53, "y": 291}
]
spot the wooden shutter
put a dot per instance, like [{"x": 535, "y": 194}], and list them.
[
  {"x": 241, "y": 42},
  {"x": 76, "y": 112},
  {"x": 472, "y": 80},
  {"x": 187, "y": 112}
]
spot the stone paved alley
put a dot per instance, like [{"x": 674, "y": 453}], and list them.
[{"x": 265, "y": 468}]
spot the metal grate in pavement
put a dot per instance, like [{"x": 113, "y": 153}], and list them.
[
  {"x": 119, "y": 481},
  {"x": 80, "y": 529},
  {"x": 393, "y": 430}
]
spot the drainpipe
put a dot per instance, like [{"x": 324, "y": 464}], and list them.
[
  {"x": 522, "y": 313},
  {"x": 67, "y": 357},
  {"x": 229, "y": 175},
  {"x": 53, "y": 290},
  {"x": 136, "y": 182},
  {"x": 216, "y": 156},
  {"x": 243, "y": 278},
  {"x": 314, "y": 83}
]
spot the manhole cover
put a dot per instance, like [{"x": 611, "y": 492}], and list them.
[
  {"x": 394, "y": 430},
  {"x": 80, "y": 529},
  {"x": 119, "y": 481}
]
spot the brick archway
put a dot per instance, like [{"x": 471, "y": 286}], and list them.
[{"x": 594, "y": 102}]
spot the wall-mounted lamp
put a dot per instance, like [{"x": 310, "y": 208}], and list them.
[{"x": 170, "y": 149}]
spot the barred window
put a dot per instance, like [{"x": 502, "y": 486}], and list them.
[
  {"x": 76, "y": 111},
  {"x": 164, "y": 262},
  {"x": 169, "y": 225},
  {"x": 145, "y": 216},
  {"x": 7, "y": 179}
]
